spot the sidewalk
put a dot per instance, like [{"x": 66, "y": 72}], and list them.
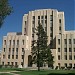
[{"x": 11, "y": 72}]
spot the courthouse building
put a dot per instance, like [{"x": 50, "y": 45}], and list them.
[{"x": 16, "y": 49}]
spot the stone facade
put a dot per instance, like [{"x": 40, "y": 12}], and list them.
[
  {"x": 62, "y": 43},
  {"x": 15, "y": 49}
]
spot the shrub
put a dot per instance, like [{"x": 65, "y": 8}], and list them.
[
  {"x": 62, "y": 67},
  {"x": 69, "y": 67},
  {"x": 56, "y": 68},
  {"x": 7, "y": 66},
  {"x": 16, "y": 66},
  {"x": 1, "y": 66},
  {"x": 74, "y": 68}
]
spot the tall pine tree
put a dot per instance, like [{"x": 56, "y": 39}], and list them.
[{"x": 41, "y": 53}]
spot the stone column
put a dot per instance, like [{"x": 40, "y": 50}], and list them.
[{"x": 26, "y": 54}]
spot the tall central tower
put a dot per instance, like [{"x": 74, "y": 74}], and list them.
[{"x": 51, "y": 20}]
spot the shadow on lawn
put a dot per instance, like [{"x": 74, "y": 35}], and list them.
[
  {"x": 61, "y": 74},
  {"x": 58, "y": 74}
]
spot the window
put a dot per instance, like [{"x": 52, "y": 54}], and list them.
[
  {"x": 70, "y": 50},
  {"x": 2, "y": 63},
  {"x": 33, "y": 22},
  {"x": 51, "y": 35},
  {"x": 69, "y": 41},
  {"x": 9, "y": 42},
  {"x": 74, "y": 41},
  {"x": 24, "y": 29},
  {"x": 59, "y": 64},
  {"x": 38, "y": 21},
  {"x": 51, "y": 28},
  {"x": 42, "y": 17},
  {"x": 16, "y": 51},
  {"x": 70, "y": 64},
  {"x": 58, "y": 49},
  {"x": 74, "y": 57},
  {"x": 33, "y": 35},
  {"x": 15, "y": 63},
  {"x": 51, "y": 17},
  {"x": 8, "y": 63},
  {"x": 70, "y": 57},
  {"x": 25, "y": 22},
  {"x": 4, "y": 42},
  {"x": 74, "y": 49},
  {"x": 65, "y": 49},
  {"x": 33, "y": 29},
  {"x": 59, "y": 41},
  {"x": 33, "y": 17},
  {"x": 65, "y": 64},
  {"x": 42, "y": 22},
  {"x": 59, "y": 20},
  {"x": 8, "y": 56},
  {"x": 65, "y": 57},
  {"x": 3, "y": 56},
  {"x": 59, "y": 28},
  {"x": 23, "y": 42},
  {"x": 13, "y": 42},
  {"x": 74, "y": 65},
  {"x": 13, "y": 51},
  {"x": 58, "y": 57},
  {"x": 45, "y": 28},
  {"x": 45, "y": 21},
  {"x": 4, "y": 49},
  {"x": 22, "y": 63},
  {"x": 12, "y": 56},
  {"x": 51, "y": 23},
  {"x": 16, "y": 56},
  {"x": 9, "y": 50},
  {"x": 17, "y": 42},
  {"x": 22, "y": 49},
  {"x": 12, "y": 63},
  {"x": 22, "y": 56},
  {"x": 51, "y": 43},
  {"x": 46, "y": 17},
  {"x": 65, "y": 41},
  {"x": 38, "y": 17}
]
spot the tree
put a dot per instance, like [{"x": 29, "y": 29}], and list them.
[
  {"x": 49, "y": 58},
  {"x": 41, "y": 53},
  {"x": 5, "y": 10}
]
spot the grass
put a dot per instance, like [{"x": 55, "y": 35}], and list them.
[
  {"x": 5, "y": 74},
  {"x": 5, "y": 69},
  {"x": 10, "y": 69},
  {"x": 35, "y": 72},
  {"x": 47, "y": 72}
]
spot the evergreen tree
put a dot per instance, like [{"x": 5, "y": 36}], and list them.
[
  {"x": 49, "y": 59},
  {"x": 5, "y": 10},
  {"x": 41, "y": 53}
]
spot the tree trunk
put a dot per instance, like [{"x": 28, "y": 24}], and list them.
[
  {"x": 38, "y": 68},
  {"x": 38, "y": 60}
]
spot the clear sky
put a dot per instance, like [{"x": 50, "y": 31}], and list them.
[{"x": 13, "y": 23}]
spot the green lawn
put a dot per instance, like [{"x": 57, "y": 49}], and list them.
[
  {"x": 47, "y": 72},
  {"x": 5, "y": 74},
  {"x": 35, "y": 72},
  {"x": 5, "y": 69},
  {"x": 10, "y": 69}
]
